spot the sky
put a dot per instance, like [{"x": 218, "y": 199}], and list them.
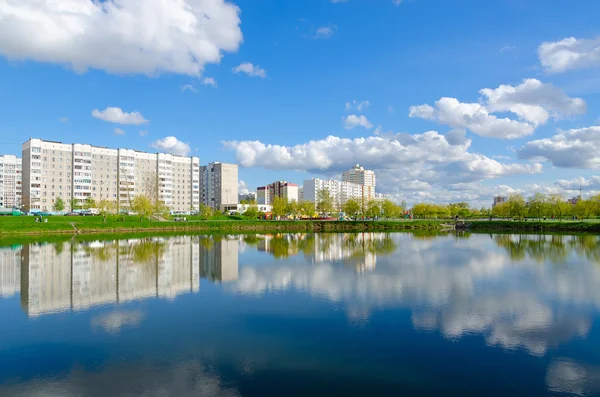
[{"x": 446, "y": 101}]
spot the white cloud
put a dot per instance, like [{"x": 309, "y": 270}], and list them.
[
  {"x": 472, "y": 116},
  {"x": 592, "y": 183},
  {"x": 251, "y": 70},
  {"x": 209, "y": 81},
  {"x": 143, "y": 133},
  {"x": 572, "y": 148},
  {"x": 242, "y": 187},
  {"x": 325, "y": 32},
  {"x": 356, "y": 105},
  {"x": 570, "y": 54},
  {"x": 397, "y": 2},
  {"x": 64, "y": 119},
  {"x": 398, "y": 159},
  {"x": 189, "y": 87},
  {"x": 352, "y": 121},
  {"x": 119, "y": 131},
  {"x": 118, "y": 116},
  {"x": 390, "y": 109},
  {"x": 121, "y": 36},
  {"x": 532, "y": 101},
  {"x": 172, "y": 145}
]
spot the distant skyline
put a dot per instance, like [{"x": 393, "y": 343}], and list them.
[{"x": 445, "y": 101}]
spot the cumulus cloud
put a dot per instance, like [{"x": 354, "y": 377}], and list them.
[
  {"x": 119, "y": 131},
  {"x": 570, "y": 54},
  {"x": 243, "y": 187},
  {"x": 172, "y": 145},
  {"x": 121, "y": 36},
  {"x": 592, "y": 182},
  {"x": 472, "y": 116},
  {"x": 118, "y": 116},
  {"x": 143, "y": 133},
  {"x": 573, "y": 148},
  {"x": 532, "y": 101},
  {"x": 397, "y": 158},
  {"x": 251, "y": 70},
  {"x": 352, "y": 121},
  {"x": 209, "y": 81}
]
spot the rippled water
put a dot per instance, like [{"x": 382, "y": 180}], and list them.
[{"x": 302, "y": 315}]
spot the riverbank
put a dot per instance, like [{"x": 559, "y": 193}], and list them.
[{"x": 26, "y": 226}]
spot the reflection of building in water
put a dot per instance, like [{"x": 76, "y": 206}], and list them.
[
  {"x": 281, "y": 246},
  {"x": 10, "y": 271},
  {"x": 358, "y": 250},
  {"x": 76, "y": 276},
  {"x": 219, "y": 259}
]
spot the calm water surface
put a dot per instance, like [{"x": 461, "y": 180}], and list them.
[{"x": 302, "y": 315}]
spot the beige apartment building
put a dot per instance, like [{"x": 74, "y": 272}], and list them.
[
  {"x": 76, "y": 172},
  {"x": 365, "y": 178},
  {"x": 286, "y": 190},
  {"x": 219, "y": 186},
  {"x": 10, "y": 181}
]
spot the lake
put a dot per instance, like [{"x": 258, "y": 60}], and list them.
[{"x": 362, "y": 314}]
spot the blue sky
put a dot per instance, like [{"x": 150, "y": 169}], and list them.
[{"x": 310, "y": 61}]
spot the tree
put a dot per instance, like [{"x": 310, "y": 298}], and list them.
[
  {"x": 205, "y": 211},
  {"x": 516, "y": 203},
  {"x": 373, "y": 209},
  {"x": 292, "y": 208},
  {"x": 420, "y": 210},
  {"x": 279, "y": 206},
  {"x": 142, "y": 205},
  {"x": 251, "y": 212},
  {"x": 324, "y": 202},
  {"x": 558, "y": 206},
  {"x": 307, "y": 208},
  {"x": 89, "y": 203},
  {"x": 538, "y": 205},
  {"x": 351, "y": 208},
  {"x": 73, "y": 203},
  {"x": 59, "y": 205},
  {"x": 106, "y": 208},
  {"x": 390, "y": 210}
]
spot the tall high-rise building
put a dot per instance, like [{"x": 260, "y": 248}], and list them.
[
  {"x": 219, "y": 186},
  {"x": 283, "y": 189},
  {"x": 339, "y": 191},
  {"x": 365, "y": 178},
  {"x": 76, "y": 172},
  {"x": 10, "y": 181}
]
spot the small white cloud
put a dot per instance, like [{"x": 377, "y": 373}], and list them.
[
  {"x": 352, "y": 121},
  {"x": 63, "y": 120},
  {"x": 243, "y": 187},
  {"x": 188, "y": 87},
  {"x": 507, "y": 48},
  {"x": 172, "y": 145},
  {"x": 143, "y": 133},
  {"x": 397, "y": 2},
  {"x": 118, "y": 116},
  {"x": 119, "y": 131},
  {"x": 209, "y": 81},
  {"x": 390, "y": 109},
  {"x": 356, "y": 105},
  {"x": 570, "y": 54},
  {"x": 325, "y": 32},
  {"x": 251, "y": 70}
]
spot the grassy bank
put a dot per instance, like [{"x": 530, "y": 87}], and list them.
[{"x": 26, "y": 226}]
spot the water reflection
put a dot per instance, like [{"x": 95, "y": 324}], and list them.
[
  {"x": 75, "y": 276},
  {"x": 535, "y": 295}
]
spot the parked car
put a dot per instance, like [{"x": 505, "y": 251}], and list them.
[
  {"x": 72, "y": 214},
  {"x": 86, "y": 213}
]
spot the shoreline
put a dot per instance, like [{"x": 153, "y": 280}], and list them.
[{"x": 96, "y": 227}]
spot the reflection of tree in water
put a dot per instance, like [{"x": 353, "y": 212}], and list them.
[
  {"x": 283, "y": 246},
  {"x": 252, "y": 239},
  {"x": 59, "y": 247},
  {"x": 147, "y": 250},
  {"x": 553, "y": 248},
  {"x": 104, "y": 253}
]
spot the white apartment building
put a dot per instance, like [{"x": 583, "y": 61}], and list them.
[
  {"x": 10, "y": 181},
  {"x": 262, "y": 195},
  {"x": 76, "y": 172},
  {"x": 219, "y": 186},
  {"x": 365, "y": 178},
  {"x": 339, "y": 191}
]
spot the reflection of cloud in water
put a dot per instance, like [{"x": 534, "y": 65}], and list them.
[
  {"x": 565, "y": 376},
  {"x": 186, "y": 378},
  {"x": 113, "y": 322},
  {"x": 459, "y": 287}
]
